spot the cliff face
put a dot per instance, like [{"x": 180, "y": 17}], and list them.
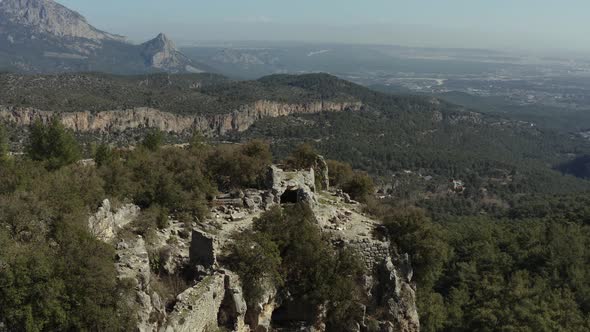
[{"x": 143, "y": 117}]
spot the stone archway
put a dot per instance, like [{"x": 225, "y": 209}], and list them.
[{"x": 290, "y": 196}]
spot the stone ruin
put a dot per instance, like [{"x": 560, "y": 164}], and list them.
[
  {"x": 215, "y": 299},
  {"x": 290, "y": 187},
  {"x": 281, "y": 187}
]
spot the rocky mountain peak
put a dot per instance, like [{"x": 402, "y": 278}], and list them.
[
  {"x": 48, "y": 16},
  {"x": 161, "y": 53},
  {"x": 162, "y": 45},
  {"x": 164, "y": 40}
]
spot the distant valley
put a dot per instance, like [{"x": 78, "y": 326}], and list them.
[{"x": 551, "y": 91}]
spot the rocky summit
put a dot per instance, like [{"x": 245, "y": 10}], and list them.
[
  {"x": 161, "y": 53},
  {"x": 45, "y": 36}
]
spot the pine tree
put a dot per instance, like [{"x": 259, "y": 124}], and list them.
[{"x": 53, "y": 145}]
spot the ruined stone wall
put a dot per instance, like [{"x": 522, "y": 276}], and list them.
[
  {"x": 371, "y": 252},
  {"x": 202, "y": 249},
  {"x": 198, "y": 306}
]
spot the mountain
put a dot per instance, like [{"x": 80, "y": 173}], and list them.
[
  {"x": 161, "y": 53},
  {"x": 51, "y": 18},
  {"x": 39, "y": 36}
]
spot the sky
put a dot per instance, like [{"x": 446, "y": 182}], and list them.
[{"x": 554, "y": 25}]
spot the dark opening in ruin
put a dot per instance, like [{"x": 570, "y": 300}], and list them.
[
  {"x": 294, "y": 315},
  {"x": 290, "y": 197}
]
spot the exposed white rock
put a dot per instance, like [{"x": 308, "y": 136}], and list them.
[{"x": 105, "y": 223}]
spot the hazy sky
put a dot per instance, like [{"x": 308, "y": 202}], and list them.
[{"x": 515, "y": 24}]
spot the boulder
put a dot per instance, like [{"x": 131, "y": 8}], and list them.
[
  {"x": 237, "y": 216},
  {"x": 253, "y": 199}
]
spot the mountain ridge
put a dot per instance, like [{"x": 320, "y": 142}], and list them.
[
  {"x": 48, "y": 16},
  {"x": 43, "y": 36}
]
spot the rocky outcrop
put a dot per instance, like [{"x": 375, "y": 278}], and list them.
[
  {"x": 133, "y": 265},
  {"x": 105, "y": 223},
  {"x": 143, "y": 117},
  {"x": 398, "y": 296},
  {"x": 259, "y": 315},
  {"x": 388, "y": 283}
]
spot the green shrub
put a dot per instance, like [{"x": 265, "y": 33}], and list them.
[
  {"x": 412, "y": 232},
  {"x": 234, "y": 166},
  {"x": 303, "y": 157},
  {"x": 360, "y": 187},
  {"x": 257, "y": 260},
  {"x": 340, "y": 173},
  {"x": 288, "y": 243}
]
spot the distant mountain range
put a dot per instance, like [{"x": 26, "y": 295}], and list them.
[{"x": 44, "y": 36}]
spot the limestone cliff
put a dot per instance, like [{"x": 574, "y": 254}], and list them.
[{"x": 209, "y": 124}]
